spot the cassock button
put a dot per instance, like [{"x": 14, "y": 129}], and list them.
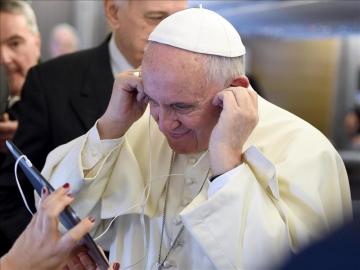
[
  {"x": 190, "y": 180},
  {"x": 185, "y": 202},
  {"x": 192, "y": 160},
  {"x": 168, "y": 264},
  {"x": 93, "y": 152},
  {"x": 177, "y": 220}
]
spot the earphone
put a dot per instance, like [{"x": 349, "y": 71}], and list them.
[{"x": 28, "y": 162}]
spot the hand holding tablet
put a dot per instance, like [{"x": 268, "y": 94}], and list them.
[{"x": 67, "y": 217}]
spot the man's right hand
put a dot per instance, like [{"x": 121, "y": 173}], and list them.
[
  {"x": 127, "y": 104},
  {"x": 7, "y": 130}
]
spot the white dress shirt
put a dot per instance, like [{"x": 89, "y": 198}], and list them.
[{"x": 117, "y": 59}]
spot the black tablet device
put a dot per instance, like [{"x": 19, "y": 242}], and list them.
[{"x": 68, "y": 218}]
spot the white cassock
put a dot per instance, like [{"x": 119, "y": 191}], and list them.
[{"x": 291, "y": 189}]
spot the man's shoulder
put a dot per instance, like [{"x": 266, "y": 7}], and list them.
[
  {"x": 78, "y": 61},
  {"x": 288, "y": 129},
  {"x": 73, "y": 70}
]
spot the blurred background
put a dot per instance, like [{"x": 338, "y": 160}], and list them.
[{"x": 303, "y": 56}]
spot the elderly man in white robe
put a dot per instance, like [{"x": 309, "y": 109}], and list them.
[{"x": 208, "y": 175}]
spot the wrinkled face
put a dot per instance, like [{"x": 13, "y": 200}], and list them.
[
  {"x": 179, "y": 96},
  {"x": 137, "y": 21},
  {"x": 19, "y": 49}
]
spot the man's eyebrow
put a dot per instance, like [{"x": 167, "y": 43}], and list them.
[
  {"x": 14, "y": 37},
  {"x": 156, "y": 13}
]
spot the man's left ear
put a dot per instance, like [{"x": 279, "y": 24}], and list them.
[{"x": 242, "y": 81}]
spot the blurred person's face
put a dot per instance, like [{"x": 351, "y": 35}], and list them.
[
  {"x": 352, "y": 124},
  {"x": 19, "y": 49},
  {"x": 180, "y": 97},
  {"x": 133, "y": 21},
  {"x": 63, "y": 42}
]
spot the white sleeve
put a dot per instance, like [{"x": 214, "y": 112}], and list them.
[
  {"x": 252, "y": 156},
  {"x": 95, "y": 149}
]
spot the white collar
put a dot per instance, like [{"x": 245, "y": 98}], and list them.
[
  {"x": 12, "y": 100},
  {"x": 118, "y": 61}
]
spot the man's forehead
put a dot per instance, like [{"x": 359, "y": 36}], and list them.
[
  {"x": 14, "y": 20},
  {"x": 168, "y": 72},
  {"x": 13, "y": 24}
]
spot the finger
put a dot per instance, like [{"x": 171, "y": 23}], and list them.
[
  {"x": 228, "y": 100},
  {"x": 43, "y": 195},
  {"x": 58, "y": 193},
  {"x": 51, "y": 207},
  {"x": 56, "y": 202},
  {"x": 250, "y": 98},
  {"x": 4, "y": 117},
  {"x": 140, "y": 97},
  {"x": 86, "y": 261},
  {"x": 39, "y": 215},
  {"x": 242, "y": 97},
  {"x": 254, "y": 95},
  {"x": 114, "y": 266},
  {"x": 75, "y": 264},
  {"x": 73, "y": 236},
  {"x": 8, "y": 126},
  {"x": 218, "y": 99}
]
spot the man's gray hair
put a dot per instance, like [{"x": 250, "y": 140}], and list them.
[
  {"x": 22, "y": 8},
  {"x": 224, "y": 69},
  {"x": 122, "y": 3}
]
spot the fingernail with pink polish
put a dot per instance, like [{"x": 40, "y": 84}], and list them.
[
  {"x": 116, "y": 266},
  {"x": 66, "y": 185},
  {"x": 91, "y": 219}
]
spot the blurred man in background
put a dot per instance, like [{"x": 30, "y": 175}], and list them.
[
  {"x": 19, "y": 51},
  {"x": 63, "y": 40},
  {"x": 352, "y": 127},
  {"x": 63, "y": 98}
]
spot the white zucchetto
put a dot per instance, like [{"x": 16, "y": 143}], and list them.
[{"x": 199, "y": 30}]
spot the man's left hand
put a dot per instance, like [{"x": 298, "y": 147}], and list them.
[{"x": 237, "y": 120}]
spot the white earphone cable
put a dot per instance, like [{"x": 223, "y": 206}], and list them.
[{"x": 18, "y": 182}]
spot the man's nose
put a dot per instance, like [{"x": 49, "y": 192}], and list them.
[
  {"x": 167, "y": 121},
  {"x": 5, "y": 55}
]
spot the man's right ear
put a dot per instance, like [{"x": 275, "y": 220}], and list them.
[
  {"x": 112, "y": 13},
  {"x": 242, "y": 81}
]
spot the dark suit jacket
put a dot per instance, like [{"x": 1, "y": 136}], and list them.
[
  {"x": 339, "y": 250},
  {"x": 13, "y": 115},
  {"x": 61, "y": 100}
]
